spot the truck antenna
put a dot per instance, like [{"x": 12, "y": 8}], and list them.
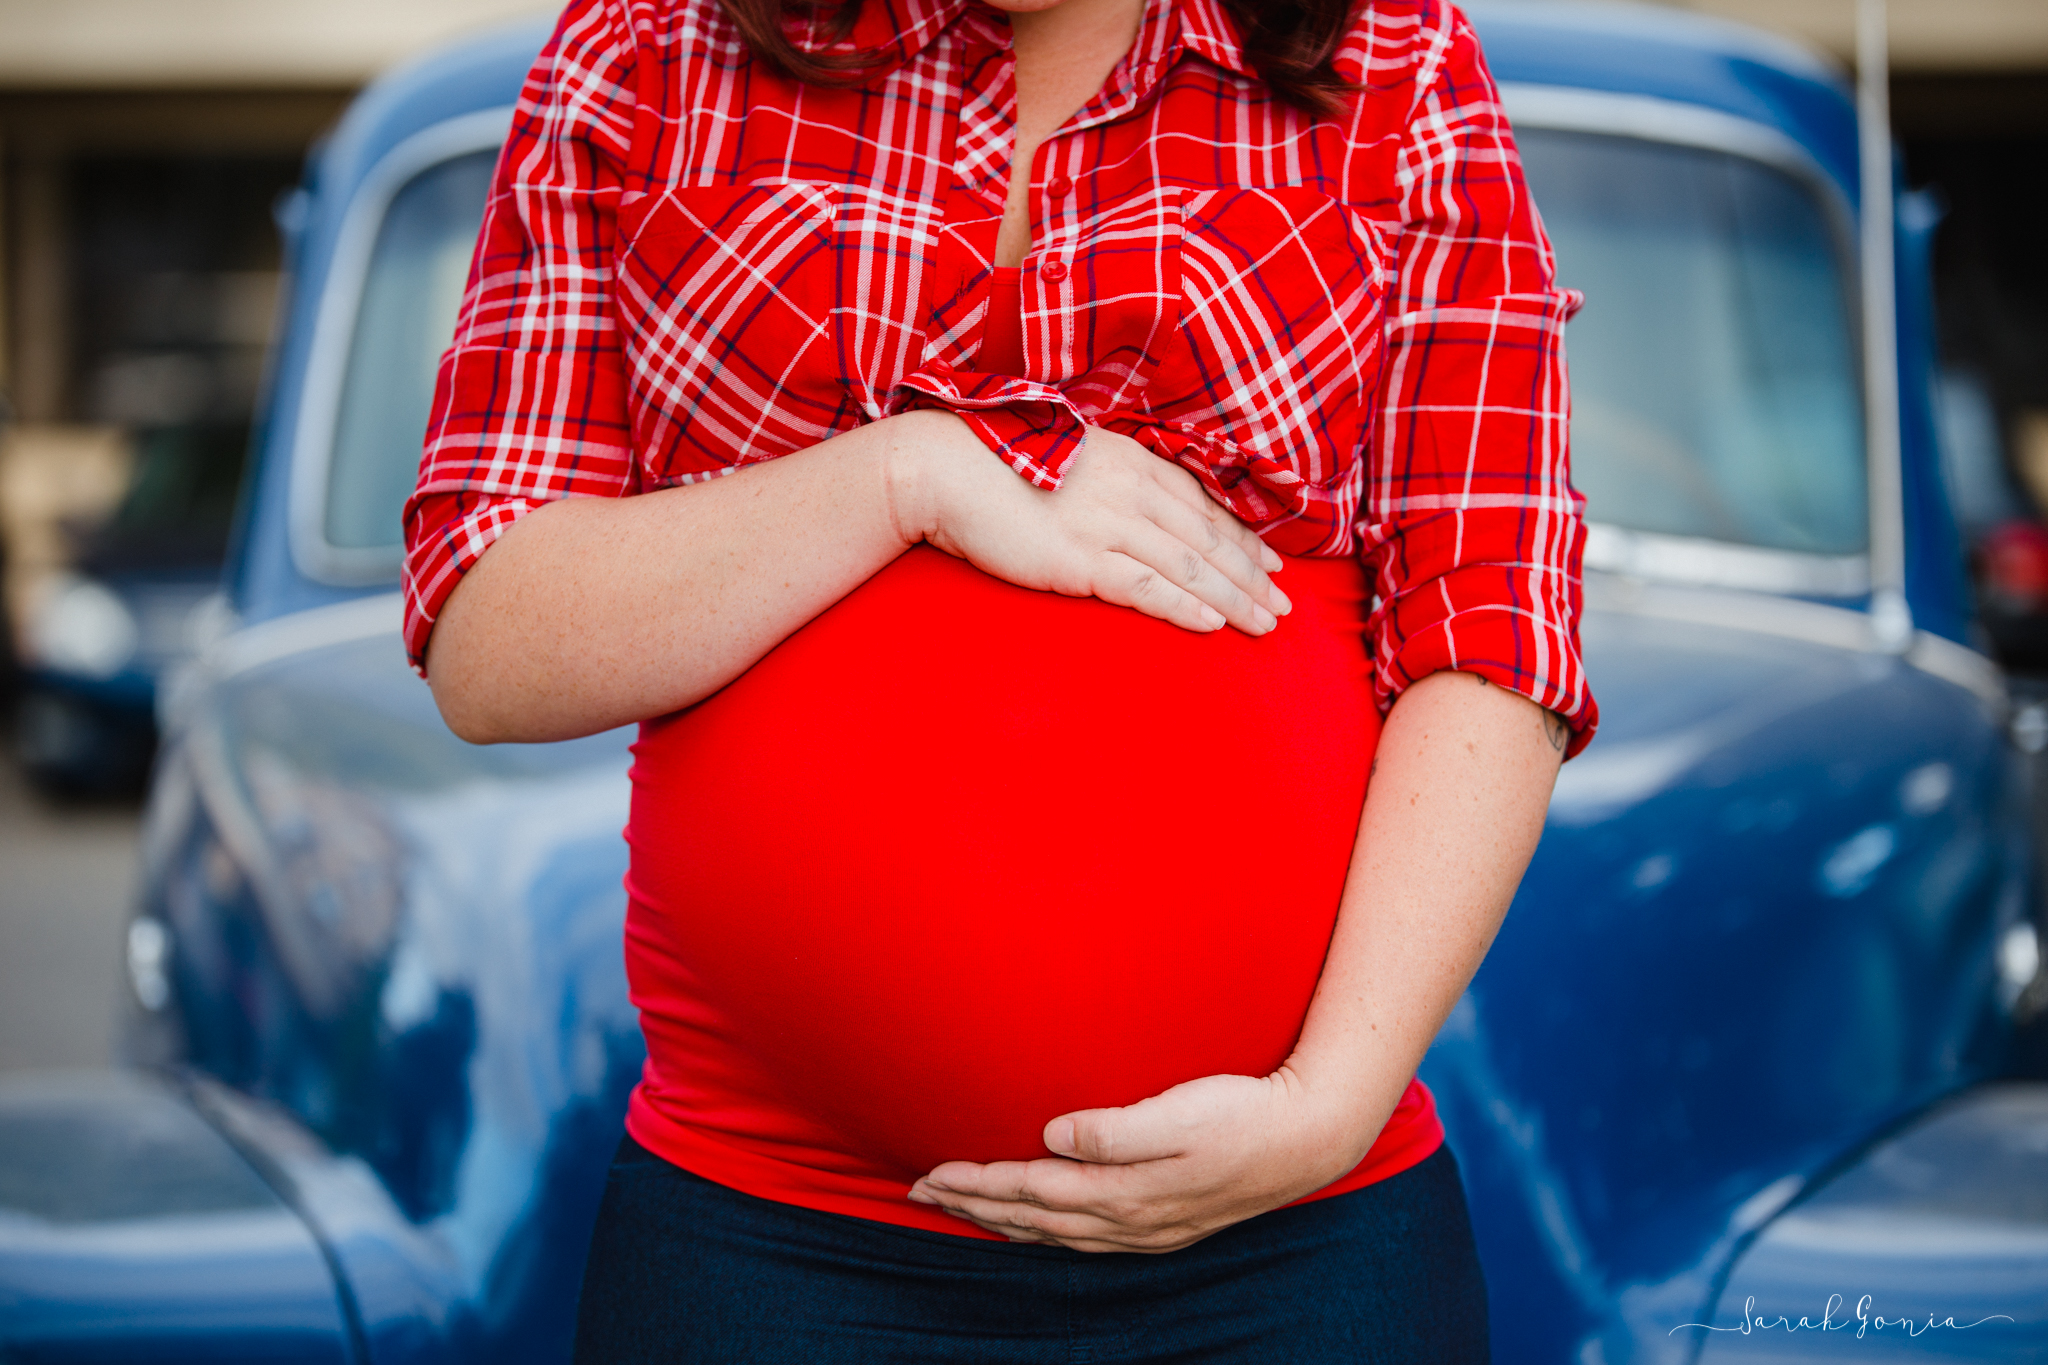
[{"x": 1891, "y": 619}]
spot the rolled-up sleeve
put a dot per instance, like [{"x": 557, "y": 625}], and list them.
[
  {"x": 530, "y": 403},
  {"x": 1469, "y": 524}
]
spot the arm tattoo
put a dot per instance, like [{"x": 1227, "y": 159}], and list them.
[{"x": 1555, "y": 730}]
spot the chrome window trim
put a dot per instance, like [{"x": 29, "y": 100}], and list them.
[
  {"x": 247, "y": 648},
  {"x": 1679, "y": 559},
  {"x": 1792, "y": 619},
  {"x": 1720, "y": 564},
  {"x": 1647, "y": 118},
  {"x": 334, "y": 329}
]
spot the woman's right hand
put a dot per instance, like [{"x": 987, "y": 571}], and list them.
[{"x": 1125, "y": 526}]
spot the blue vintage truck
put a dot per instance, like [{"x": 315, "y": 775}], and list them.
[{"x": 1738, "y": 1059}]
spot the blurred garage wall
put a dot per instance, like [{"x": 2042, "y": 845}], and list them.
[{"x": 143, "y": 144}]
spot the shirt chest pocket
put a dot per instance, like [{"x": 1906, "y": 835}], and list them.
[
  {"x": 760, "y": 319},
  {"x": 1275, "y": 372}
]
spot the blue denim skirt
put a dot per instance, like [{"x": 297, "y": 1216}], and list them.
[{"x": 682, "y": 1269}]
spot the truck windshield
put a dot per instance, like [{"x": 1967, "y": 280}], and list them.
[
  {"x": 1714, "y": 376},
  {"x": 1715, "y": 382}
]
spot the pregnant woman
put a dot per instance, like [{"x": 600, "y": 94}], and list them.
[{"x": 1074, "y": 494}]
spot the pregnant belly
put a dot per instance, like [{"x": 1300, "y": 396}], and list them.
[{"x": 959, "y": 857}]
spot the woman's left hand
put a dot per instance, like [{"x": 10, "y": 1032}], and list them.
[
  {"x": 1461, "y": 778},
  {"x": 1163, "y": 1173}
]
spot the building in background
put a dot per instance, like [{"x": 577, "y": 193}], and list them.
[
  {"x": 144, "y": 144},
  {"x": 144, "y": 148}
]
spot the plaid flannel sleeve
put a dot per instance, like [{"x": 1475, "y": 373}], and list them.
[
  {"x": 1469, "y": 526},
  {"x": 530, "y": 402}
]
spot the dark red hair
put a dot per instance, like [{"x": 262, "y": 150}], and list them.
[{"x": 1290, "y": 43}]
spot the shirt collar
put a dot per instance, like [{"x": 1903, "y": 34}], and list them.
[
  {"x": 904, "y": 28},
  {"x": 1207, "y": 30}
]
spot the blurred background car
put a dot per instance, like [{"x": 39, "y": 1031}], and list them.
[
  {"x": 2001, "y": 522},
  {"x": 98, "y": 633}
]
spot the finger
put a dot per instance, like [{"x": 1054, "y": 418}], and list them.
[
  {"x": 1028, "y": 1222},
  {"x": 1212, "y": 536},
  {"x": 1125, "y": 1196},
  {"x": 1119, "y": 579},
  {"x": 1048, "y": 1183},
  {"x": 1079, "y": 1231},
  {"x": 1086, "y": 1207},
  {"x": 1136, "y": 459},
  {"x": 1267, "y": 558},
  {"x": 1026, "y": 1238},
  {"x": 1009, "y": 1181},
  {"x": 1014, "y": 1232},
  {"x": 1255, "y": 548},
  {"x": 1184, "y": 566},
  {"x": 1190, "y": 490},
  {"x": 1148, "y": 1131}
]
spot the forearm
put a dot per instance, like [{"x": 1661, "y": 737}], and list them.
[
  {"x": 1461, "y": 780},
  {"x": 593, "y": 612}
]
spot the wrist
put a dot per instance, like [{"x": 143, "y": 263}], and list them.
[
  {"x": 1343, "y": 1111},
  {"x": 914, "y": 467},
  {"x": 906, "y": 476}
]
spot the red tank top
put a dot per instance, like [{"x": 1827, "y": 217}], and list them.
[
  {"x": 1002, "y": 337},
  {"x": 959, "y": 857}
]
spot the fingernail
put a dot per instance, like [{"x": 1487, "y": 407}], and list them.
[
  {"x": 1282, "y": 603},
  {"x": 1272, "y": 562},
  {"x": 1211, "y": 618},
  {"x": 1262, "y": 618},
  {"x": 1059, "y": 1136},
  {"x": 932, "y": 1184},
  {"x": 918, "y": 1196}
]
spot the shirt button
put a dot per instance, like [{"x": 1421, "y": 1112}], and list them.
[
  {"x": 1053, "y": 272},
  {"x": 940, "y": 368},
  {"x": 1059, "y": 187}
]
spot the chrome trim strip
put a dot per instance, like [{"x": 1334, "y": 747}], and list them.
[
  {"x": 267, "y": 642},
  {"x": 333, "y": 330},
  {"x": 1757, "y": 613},
  {"x": 1570, "y": 109},
  {"x": 1719, "y": 564},
  {"x": 1881, "y": 330},
  {"x": 1792, "y": 619},
  {"x": 1959, "y": 664}
]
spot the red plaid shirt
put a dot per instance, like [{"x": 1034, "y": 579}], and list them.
[{"x": 1347, "y": 329}]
